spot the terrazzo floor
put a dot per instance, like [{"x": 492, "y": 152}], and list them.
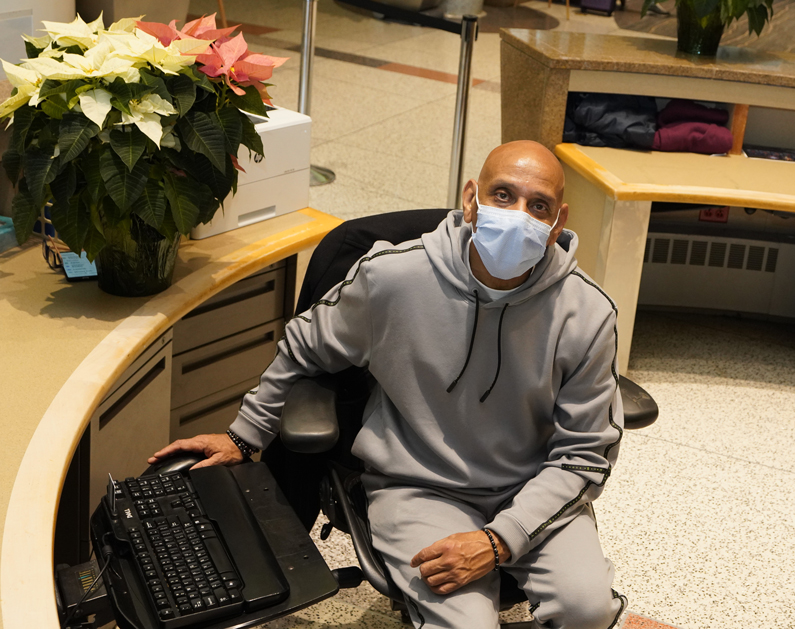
[{"x": 698, "y": 516}]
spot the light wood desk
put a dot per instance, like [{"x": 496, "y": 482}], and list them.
[
  {"x": 62, "y": 347},
  {"x": 610, "y": 192}
]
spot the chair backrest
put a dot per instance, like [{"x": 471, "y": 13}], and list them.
[
  {"x": 344, "y": 245},
  {"x": 300, "y": 474}
]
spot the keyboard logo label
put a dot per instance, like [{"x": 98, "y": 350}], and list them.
[{"x": 127, "y": 513}]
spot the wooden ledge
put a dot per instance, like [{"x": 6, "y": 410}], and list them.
[
  {"x": 735, "y": 180},
  {"x": 205, "y": 268}
]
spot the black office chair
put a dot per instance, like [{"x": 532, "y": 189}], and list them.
[{"x": 312, "y": 462}]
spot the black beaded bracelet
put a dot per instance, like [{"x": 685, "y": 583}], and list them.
[
  {"x": 244, "y": 448},
  {"x": 494, "y": 548}
]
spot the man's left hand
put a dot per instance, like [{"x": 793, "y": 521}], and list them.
[{"x": 461, "y": 558}]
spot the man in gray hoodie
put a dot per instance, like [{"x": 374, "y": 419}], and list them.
[{"x": 496, "y": 419}]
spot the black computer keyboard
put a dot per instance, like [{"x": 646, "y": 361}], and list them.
[{"x": 195, "y": 546}]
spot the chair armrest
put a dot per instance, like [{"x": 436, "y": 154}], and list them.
[
  {"x": 640, "y": 410},
  {"x": 365, "y": 553},
  {"x": 309, "y": 418}
]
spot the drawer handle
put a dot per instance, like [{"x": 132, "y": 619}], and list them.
[
  {"x": 204, "y": 362},
  {"x": 230, "y": 401},
  {"x": 268, "y": 287},
  {"x": 132, "y": 393}
]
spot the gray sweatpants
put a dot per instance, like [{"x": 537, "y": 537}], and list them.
[{"x": 567, "y": 578}]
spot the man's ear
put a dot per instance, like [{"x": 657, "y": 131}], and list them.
[
  {"x": 562, "y": 218},
  {"x": 468, "y": 201}
]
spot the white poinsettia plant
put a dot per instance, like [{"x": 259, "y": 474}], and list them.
[{"x": 139, "y": 122}]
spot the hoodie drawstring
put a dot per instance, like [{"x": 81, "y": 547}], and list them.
[
  {"x": 499, "y": 355},
  {"x": 471, "y": 344}
]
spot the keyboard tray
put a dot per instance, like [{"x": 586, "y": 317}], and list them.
[{"x": 279, "y": 568}]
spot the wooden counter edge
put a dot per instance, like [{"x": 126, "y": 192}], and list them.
[
  {"x": 26, "y": 569},
  {"x": 618, "y": 190}
]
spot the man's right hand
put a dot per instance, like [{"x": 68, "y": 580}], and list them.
[{"x": 219, "y": 450}]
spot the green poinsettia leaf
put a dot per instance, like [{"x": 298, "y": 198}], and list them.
[
  {"x": 157, "y": 84},
  {"x": 129, "y": 144},
  {"x": 230, "y": 121},
  {"x": 757, "y": 17},
  {"x": 23, "y": 119},
  {"x": 54, "y": 106},
  {"x": 168, "y": 227},
  {"x": 64, "y": 185},
  {"x": 75, "y": 132},
  {"x": 72, "y": 219},
  {"x": 184, "y": 201},
  {"x": 24, "y": 213},
  {"x": 251, "y": 139},
  {"x": 31, "y": 51},
  {"x": 220, "y": 184},
  {"x": 128, "y": 91},
  {"x": 89, "y": 166},
  {"x": 93, "y": 243},
  {"x": 200, "y": 79},
  {"x": 51, "y": 87},
  {"x": 183, "y": 89},
  {"x": 151, "y": 205},
  {"x": 251, "y": 101},
  {"x": 124, "y": 186},
  {"x": 40, "y": 169},
  {"x": 12, "y": 164},
  {"x": 201, "y": 134},
  {"x": 112, "y": 214}
]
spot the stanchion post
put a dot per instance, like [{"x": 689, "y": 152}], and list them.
[
  {"x": 307, "y": 57},
  {"x": 318, "y": 175},
  {"x": 469, "y": 26}
]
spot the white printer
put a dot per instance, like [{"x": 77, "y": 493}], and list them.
[{"x": 273, "y": 185}]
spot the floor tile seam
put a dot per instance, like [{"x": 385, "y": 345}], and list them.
[
  {"x": 370, "y": 62},
  {"x": 375, "y": 189},
  {"x": 382, "y": 121},
  {"x": 715, "y": 453}
]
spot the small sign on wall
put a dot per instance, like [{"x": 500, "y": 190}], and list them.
[
  {"x": 714, "y": 214},
  {"x": 13, "y": 25}
]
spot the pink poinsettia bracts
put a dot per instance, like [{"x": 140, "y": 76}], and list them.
[
  {"x": 201, "y": 28},
  {"x": 239, "y": 68}
]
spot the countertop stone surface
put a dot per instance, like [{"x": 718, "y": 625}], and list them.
[{"x": 589, "y": 51}]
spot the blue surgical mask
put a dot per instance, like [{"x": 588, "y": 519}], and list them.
[{"x": 510, "y": 242}]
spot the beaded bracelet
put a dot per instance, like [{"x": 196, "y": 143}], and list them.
[
  {"x": 244, "y": 448},
  {"x": 494, "y": 548}
]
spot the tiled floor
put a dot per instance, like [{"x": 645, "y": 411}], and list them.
[{"x": 698, "y": 517}]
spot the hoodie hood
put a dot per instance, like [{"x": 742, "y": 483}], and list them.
[{"x": 448, "y": 246}]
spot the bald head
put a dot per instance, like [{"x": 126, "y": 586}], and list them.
[{"x": 524, "y": 160}]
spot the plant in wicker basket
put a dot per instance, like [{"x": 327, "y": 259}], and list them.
[{"x": 130, "y": 134}]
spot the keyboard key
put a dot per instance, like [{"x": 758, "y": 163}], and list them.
[
  {"x": 234, "y": 595},
  {"x": 186, "y": 608},
  {"x": 162, "y": 603},
  {"x": 221, "y": 596},
  {"x": 166, "y": 614},
  {"x": 210, "y": 602},
  {"x": 197, "y": 604}
]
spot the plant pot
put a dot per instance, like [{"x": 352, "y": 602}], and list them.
[
  {"x": 697, "y": 35},
  {"x": 137, "y": 260}
]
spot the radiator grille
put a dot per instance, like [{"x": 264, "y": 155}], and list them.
[
  {"x": 772, "y": 258},
  {"x": 713, "y": 253},
  {"x": 698, "y": 253},
  {"x": 660, "y": 255},
  {"x": 679, "y": 252},
  {"x": 717, "y": 254},
  {"x": 736, "y": 256}
]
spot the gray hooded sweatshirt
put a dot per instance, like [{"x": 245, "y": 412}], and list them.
[{"x": 473, "y": 395}]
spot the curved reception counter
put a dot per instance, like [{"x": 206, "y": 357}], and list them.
[{"x": 68, "y": 353}]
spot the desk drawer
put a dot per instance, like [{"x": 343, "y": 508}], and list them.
[
  {"x": 216, "y": 366},
  {"x": 248, "y": 303},
  {"x": 211, "y": 414}
]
